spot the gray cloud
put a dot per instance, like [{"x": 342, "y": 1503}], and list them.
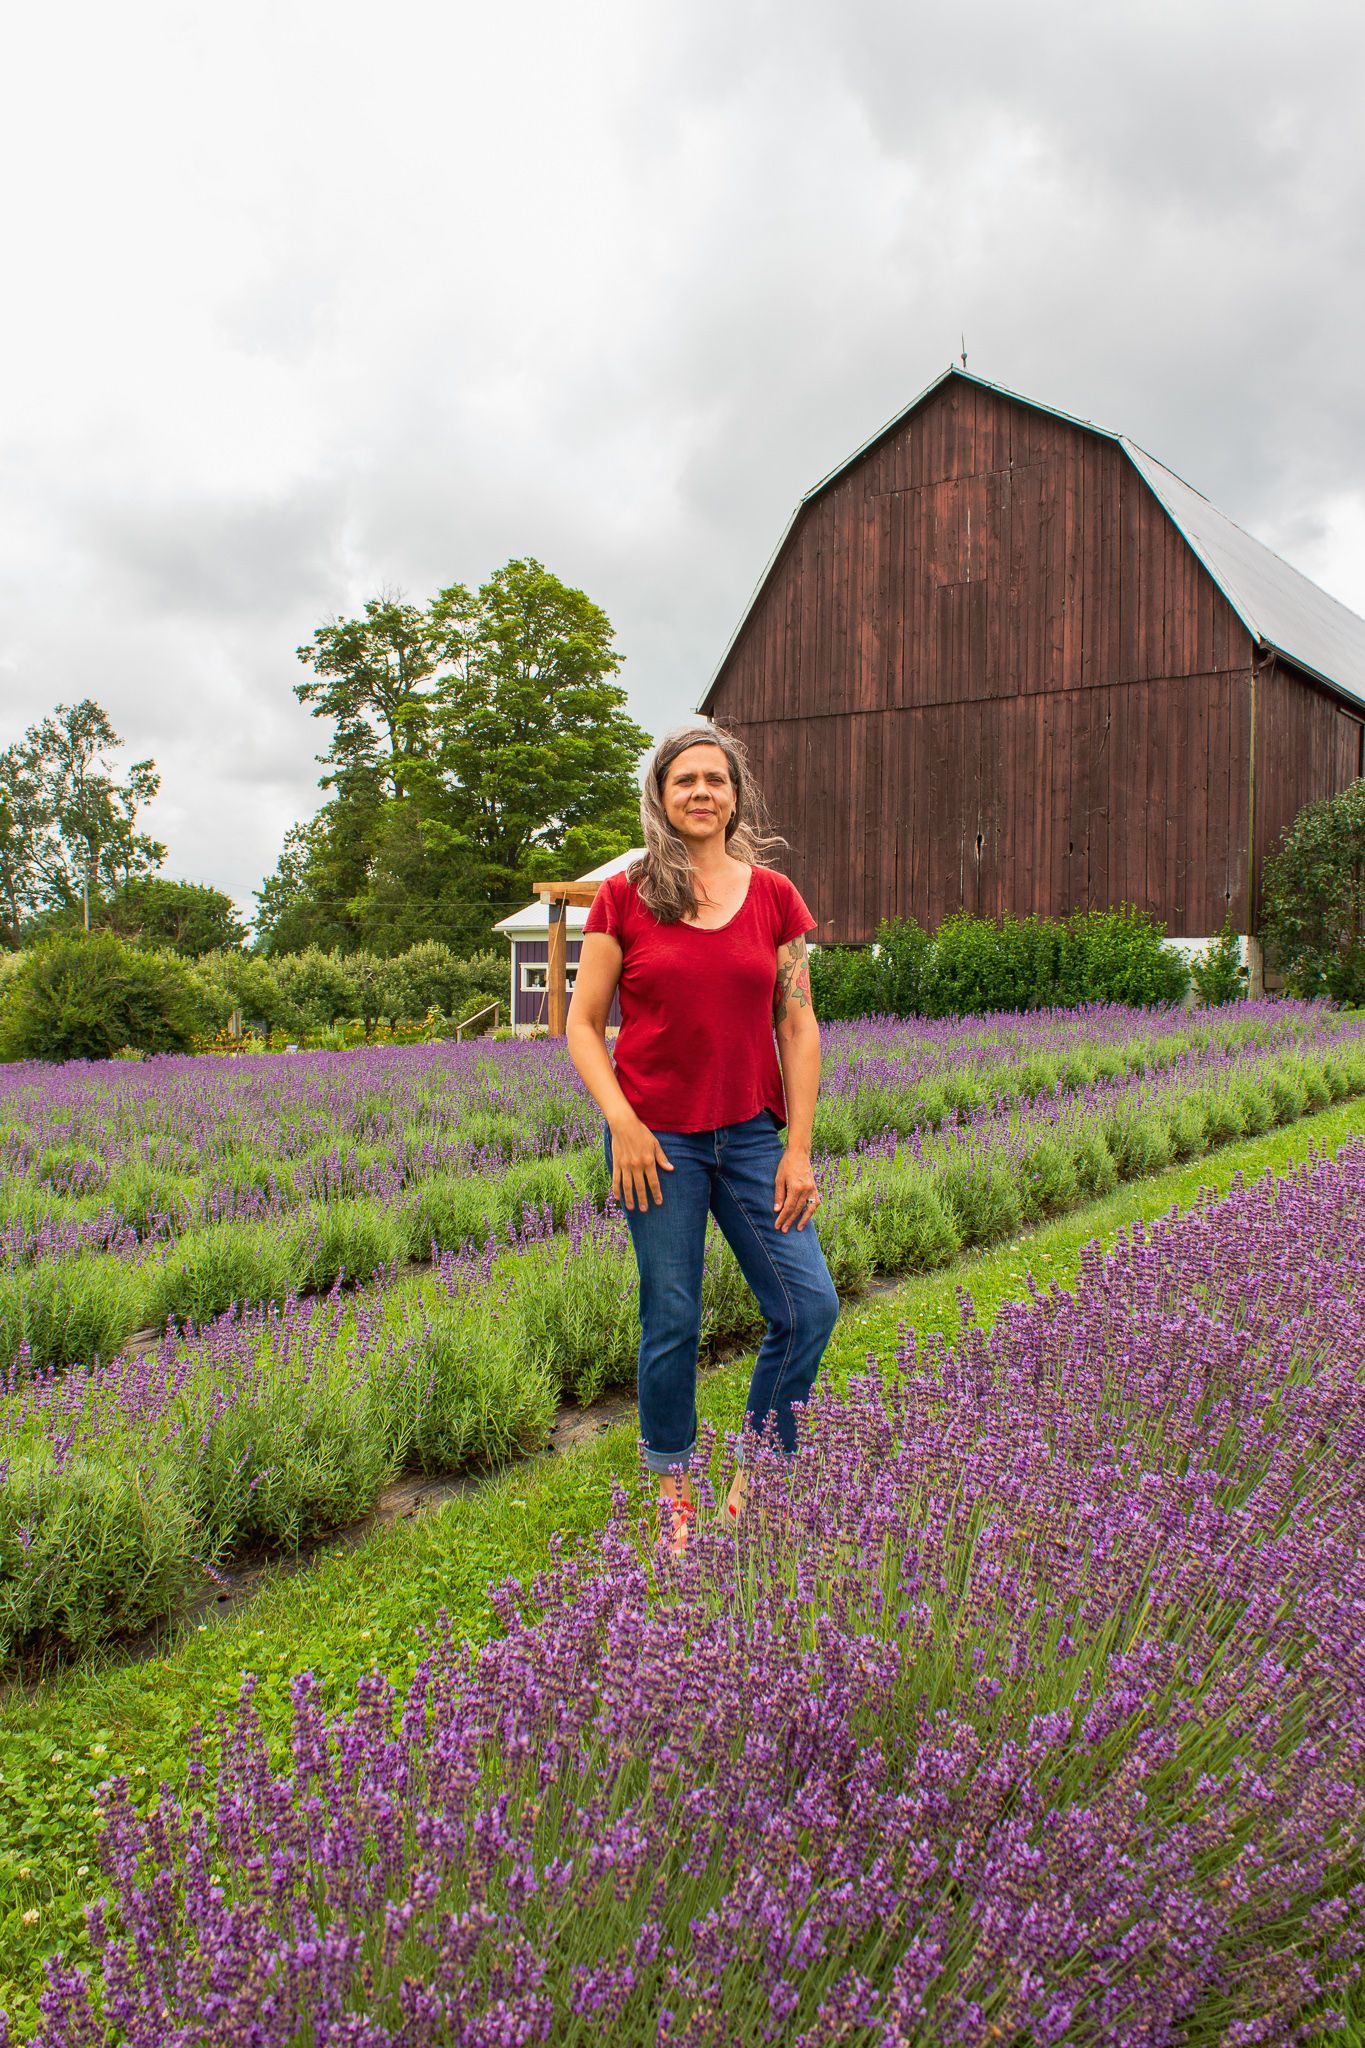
[{"x": 311, "y": 310}]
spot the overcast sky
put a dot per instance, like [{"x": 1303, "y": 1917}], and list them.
[{"x": 307, "y": 299}]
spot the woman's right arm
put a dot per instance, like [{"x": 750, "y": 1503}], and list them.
[{"x": 636, "y": 1154}]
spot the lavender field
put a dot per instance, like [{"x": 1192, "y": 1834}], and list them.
[
  {"x": 137, "y": 1195},
  {"x": 1028, "y": 1706},
  {"x": 270, "y": 1401}
]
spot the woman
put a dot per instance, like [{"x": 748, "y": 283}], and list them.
[{"x": 707, "y": 945}]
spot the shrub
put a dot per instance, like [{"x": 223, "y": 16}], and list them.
[
  {"x": 1096, "y": 1173},
  {"x": 910, "y": 1229},
  {"x": 978, "y": 965},
  {"x": 1138, "y": 1140},
  {"x": 478, "y": 1399},
  {"x": 70, "y": 1311},
  {"x": 1047, "y": 1177},
  {"x": 983, "y": 1196},
  {"x": 207, "y": 1272},
  {"x": 1118, "y": 956},
  {"x": 1313, "y": 919},
  {"x": 350, "y": 1240},
  {"x": 316, "y": 987},
  {"x": 577, "y": 1314},
  {"x": 87, "y": 996},
  {"x": 1217, "y": 973},
  {"x": 974, "y": 965},
  {"x": 88, "y": 1551},
  {"x": 1222, "y": 1112},
  {"x": 1186, "y": 1125},
  {"x": 846, "y": 981},
  {"x": 448, "y": 1210}
]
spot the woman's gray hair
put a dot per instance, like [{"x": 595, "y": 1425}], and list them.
[{"x": 664, "y": 876}]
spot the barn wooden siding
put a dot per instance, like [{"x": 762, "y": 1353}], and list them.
[
  {"x": 987, "y": 672},
  {"x": 1308, "y": 744}
]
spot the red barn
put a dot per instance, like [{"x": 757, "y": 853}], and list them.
[{"x": 1003, "y": 660}]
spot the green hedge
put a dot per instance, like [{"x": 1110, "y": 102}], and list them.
[
  {"x": 973, "y": 965},
  {"x": 91, "y": 995}
]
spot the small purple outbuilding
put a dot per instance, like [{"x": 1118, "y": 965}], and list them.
[{"x": 528, "y": 930}]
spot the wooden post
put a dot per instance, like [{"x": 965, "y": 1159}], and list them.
[
  {"x": 556, "y": 979},
  {"x": 558, "y": 896}
]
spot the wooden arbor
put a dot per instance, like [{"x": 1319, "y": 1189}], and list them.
[{"x": 558, "y": 896}]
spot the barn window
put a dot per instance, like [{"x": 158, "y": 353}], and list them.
[{"x": 534, "y": 976}]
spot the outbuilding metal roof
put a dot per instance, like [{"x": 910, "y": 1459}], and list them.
[
  {"x": 1278, "y": 605},
  {"x": 533, "y": 922}
]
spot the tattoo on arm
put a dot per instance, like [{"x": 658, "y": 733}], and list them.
[{"x": 793, "y": 980}]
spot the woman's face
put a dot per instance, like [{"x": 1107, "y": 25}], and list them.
[{"x": 698, "y": 795}]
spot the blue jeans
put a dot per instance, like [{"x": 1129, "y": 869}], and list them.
[{"x": 728, "y": 1173}]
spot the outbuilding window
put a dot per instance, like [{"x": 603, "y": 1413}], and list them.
[{"x": 535, "y": 976}]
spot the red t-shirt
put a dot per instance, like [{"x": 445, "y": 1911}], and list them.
[{"x": 696, "y": 1046}]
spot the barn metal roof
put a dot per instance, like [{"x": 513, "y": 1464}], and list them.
[
  {"x": 1276, "y": 603},
  {"x": 1279, "y": 606}
]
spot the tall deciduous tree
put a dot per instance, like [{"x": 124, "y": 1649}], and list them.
[
  {"x": 68, "y": 825},
  {"x": 476, "y": 744},
  {"x": 373, "y": 677},
  {"x": 533, "y": 734}
]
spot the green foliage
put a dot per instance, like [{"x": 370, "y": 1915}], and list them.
[
  {"x": 979, "y": 965},
  {"x": 1217, "y": 973},
  {"x": 88, "y": 1551},
  {"x": 68, "y": 1311},
  {"x": 1313, "y": 916},
  {"x": 204, "y": 1272},
  {"x": 187, "y": 917},
  {"x": 1118, "y": 956},
  {"x": 68, "y": 826},
  {"x": 910, "y": 1228},
  {"x": 576, "y": 1315},
  {"x": 245, "y": 983},
  {"x": 477, "y": 743},
  {"x": 480, "y": 1402},
  {"x": 983, "y": 1195},
  {"x": 973, "y": 965},
  {"x": 84, "y": 997}
]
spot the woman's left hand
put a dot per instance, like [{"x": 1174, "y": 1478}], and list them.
[{"x": 796, "y": 1197}]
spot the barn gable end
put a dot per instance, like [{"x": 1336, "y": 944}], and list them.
[{"x": 986, "y": 670}]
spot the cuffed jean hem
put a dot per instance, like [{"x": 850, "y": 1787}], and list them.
[{"x": 669, "y": 1461}]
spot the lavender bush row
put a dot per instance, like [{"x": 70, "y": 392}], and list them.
[
  {"x": 107, "y": 1158},
  {"x": 268, "y": 1425},
  {"x": 57, "y": 1312},
  {"x": 1029, "y": 1705}
]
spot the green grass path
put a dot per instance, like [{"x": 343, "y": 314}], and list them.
[{"x": 362, "y": 1608}]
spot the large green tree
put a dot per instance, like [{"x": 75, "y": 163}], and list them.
[
  {"x": 534, "y": 739},
  {"x": 189, "y": 917},
  {"x": 477, "y": 744},
  {"x": 68, "y": 824}
]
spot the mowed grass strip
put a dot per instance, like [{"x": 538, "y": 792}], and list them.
[{"x": 363, "y": 1608}]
